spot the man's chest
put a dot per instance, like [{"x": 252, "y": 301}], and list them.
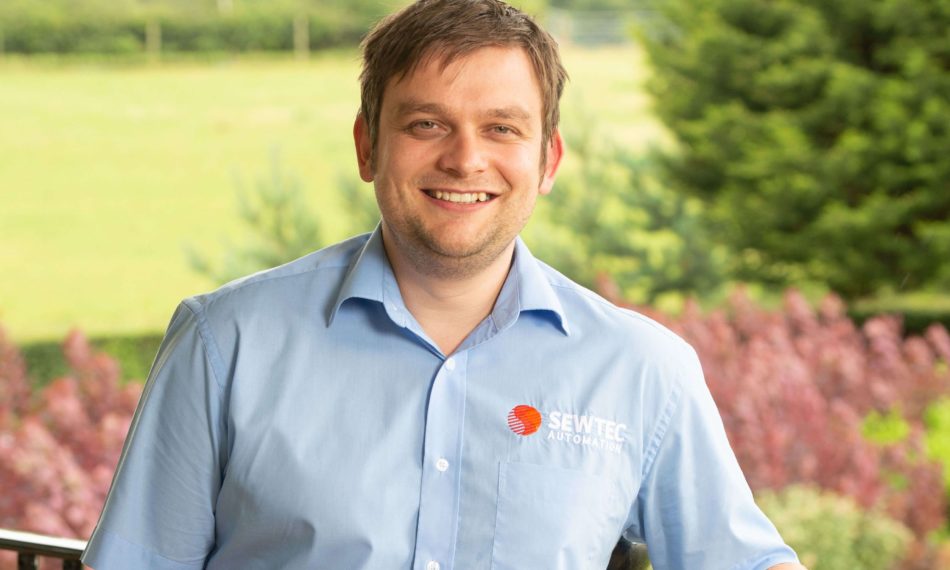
[{"x": 488, "y": 459}]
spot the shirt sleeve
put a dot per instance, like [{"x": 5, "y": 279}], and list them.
[
  {"x": 160, "y": 510},
  {"x": 694, "y": 508}
]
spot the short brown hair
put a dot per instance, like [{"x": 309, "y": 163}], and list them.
[{"x": 450, "y": 29}]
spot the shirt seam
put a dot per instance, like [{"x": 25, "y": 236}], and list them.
[
  {"x": 259, "y": 279},
  {"x": 208, "y": 346},
  {"x": 661, "y": 431}
]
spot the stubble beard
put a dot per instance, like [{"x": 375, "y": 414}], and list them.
[{"x": 430, "y": 257}]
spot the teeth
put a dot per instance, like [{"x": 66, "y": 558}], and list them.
[{"x": 460, "y": 197}]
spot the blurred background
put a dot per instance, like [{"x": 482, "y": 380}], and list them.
[{"x": 769, "y": 178}]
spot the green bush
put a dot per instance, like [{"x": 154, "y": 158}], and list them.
[
  {"x": 91, "y": 26},
  {"x": 833, "y": 533},
  {"x": 816, "y": 132},
  {"x": 937, "y": 420},
  {"x": 134, "y": 354}
]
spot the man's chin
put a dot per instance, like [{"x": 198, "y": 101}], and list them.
[{"x": 457, "y": 258}]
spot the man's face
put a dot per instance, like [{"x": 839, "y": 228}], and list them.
[{"x": 458, "y": 161}]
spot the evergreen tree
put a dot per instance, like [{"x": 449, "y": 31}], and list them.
[
  {"x": 817, "y": 133},
  {"x": 610, "y": 218}
]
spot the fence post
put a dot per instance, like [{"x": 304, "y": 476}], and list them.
[
  {"x": 302, "y": 36},
  {"x": 153, "y": 39}
]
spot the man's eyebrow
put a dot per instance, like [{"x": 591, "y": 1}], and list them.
[
  {"x": 412, "y": 106},
  {"x": 514, "y": 112}
]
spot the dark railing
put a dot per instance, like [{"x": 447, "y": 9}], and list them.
[{"x": 29, "y": 547}]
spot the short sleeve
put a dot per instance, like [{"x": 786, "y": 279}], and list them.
[
  {"x": 694, "y": 508},
  {"x": 160, "y": 509}
]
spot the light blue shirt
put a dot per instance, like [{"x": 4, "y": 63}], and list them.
[{"x": 301, "y": 418}]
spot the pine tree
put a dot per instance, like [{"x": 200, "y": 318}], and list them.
[{"x": 817, "y": 133}]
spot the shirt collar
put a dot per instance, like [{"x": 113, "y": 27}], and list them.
[
  {"x": 526, "y": 289},
  {"x": 370, "y": 277}
]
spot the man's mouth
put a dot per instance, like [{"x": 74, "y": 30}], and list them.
[{"x": 459, "y": 197}]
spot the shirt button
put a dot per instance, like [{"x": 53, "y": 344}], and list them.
[
  {"x": 450, "y": 364},
  {"x": 433, "y": 565},
  {"x": 442, "y": 464}
]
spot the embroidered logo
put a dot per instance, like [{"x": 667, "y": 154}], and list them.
[
  {"x": 524, "y": 420},
  {"x": 586, "y": 430}
]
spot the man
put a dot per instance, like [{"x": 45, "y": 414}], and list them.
[{"x": 430, "y": 396}]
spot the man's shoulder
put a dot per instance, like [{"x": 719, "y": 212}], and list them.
[
  {"x": 598, "y": 316},
  {"x": 316, "y": 274}
]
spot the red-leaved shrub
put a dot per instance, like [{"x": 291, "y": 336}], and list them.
[
  {"x": 60, "y": 445},
  {"x": 794, "y": 385}
]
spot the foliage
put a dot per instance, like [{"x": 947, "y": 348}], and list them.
[
  {"x": 96, "y": 26},
  {"x": 133, "y": 354},
  {"x": 918, "y": 310},
  {"x": 61, "y": 444},
  {"x": 885, "y": 429},
  {"x": 816, "y": 132},
  {"x": 282, "y": 226},
  {"x": 797, "y": 390},
  {"x": 794, "y": 386},
  {"x": 590, "y": 4},
  {"x": 610, "y": 216},
  {"x": 830, "y": 532},
  {"x": 937, "y": 420}
]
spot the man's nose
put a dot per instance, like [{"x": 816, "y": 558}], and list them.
[{"x": 464, "y": 154}]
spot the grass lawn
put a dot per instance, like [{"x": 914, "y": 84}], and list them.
[{"x": 108, "y": 171}]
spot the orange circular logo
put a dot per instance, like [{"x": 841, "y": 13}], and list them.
[{"x": 524, "y": 420}]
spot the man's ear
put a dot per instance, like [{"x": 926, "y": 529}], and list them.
[
  {"x": 553, "y": 155},
  {"x": 364, "y": 148}
]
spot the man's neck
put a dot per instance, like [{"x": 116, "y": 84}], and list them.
[{"x": 449, "y": 308}]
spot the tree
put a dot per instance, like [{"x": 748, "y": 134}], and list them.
[
  {"x": 609, "y": 216},
  {"x": 281, "y": 226},
  {"x": 816, "y": 133}
]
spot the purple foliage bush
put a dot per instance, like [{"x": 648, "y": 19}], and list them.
[
  {"x": 60, "y": 445},
  {"x": 794, "y": 386}
]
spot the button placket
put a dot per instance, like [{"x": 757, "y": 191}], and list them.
[{"x": 438, "y": 506}]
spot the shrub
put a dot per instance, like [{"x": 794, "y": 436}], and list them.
[
  {"x": 794, "y": 386},
  {"x": 937, "y": 420},
  {"x": 92, "y": 26},
  {"x": 60, "y": 445},
  {"x": 830, "y": 532}
]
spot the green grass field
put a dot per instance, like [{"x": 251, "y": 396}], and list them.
[{"x": 108, "y": 171}]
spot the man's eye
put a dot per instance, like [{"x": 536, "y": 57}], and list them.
[
  {"x": 503, "y": 129},
  {"x": 424, "y": 125}
]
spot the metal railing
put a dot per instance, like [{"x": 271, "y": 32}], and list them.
[{"x": 29, "y": 547}]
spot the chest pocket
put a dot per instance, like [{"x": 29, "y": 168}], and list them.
[{"x": 554, "y": 519}]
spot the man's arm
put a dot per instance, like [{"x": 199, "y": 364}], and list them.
[
  {"x": 694, "y": 507},
  {"x": 160, "y": 510}
]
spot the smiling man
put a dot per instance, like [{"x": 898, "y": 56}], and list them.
[{"x": 430, "y": 396}]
